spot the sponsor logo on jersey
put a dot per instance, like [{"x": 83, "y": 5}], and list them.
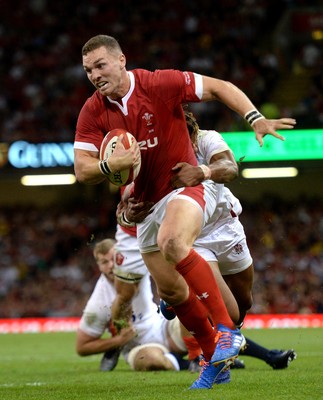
[
  {"x": 147, "y": 144},
  {"x": 148, "y": 118}
]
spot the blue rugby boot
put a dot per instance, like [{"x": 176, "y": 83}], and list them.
[
  {"x": 223, "y": 377},
  {"x": 208, "y": 375},
  {"x": 229, "y": 342}
]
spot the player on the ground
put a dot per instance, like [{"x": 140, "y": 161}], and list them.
[
  {"x": 147, "y": 342},
  {"x": 149, "y": 105}
]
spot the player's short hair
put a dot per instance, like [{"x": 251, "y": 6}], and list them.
[
  {"x": 101, "y": 40},
  {"x": 103, "y": 247}
]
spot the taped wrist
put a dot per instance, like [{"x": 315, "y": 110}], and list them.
[
  {"x": 252, "y": 116},
  {"x": 104, "y": 167}
]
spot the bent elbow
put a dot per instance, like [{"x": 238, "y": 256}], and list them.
[
  {"x": 231, "y": 175},
  {"x": 234, "y": 174}
]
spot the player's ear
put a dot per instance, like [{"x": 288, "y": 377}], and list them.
[{"x": 123, "y": 61}]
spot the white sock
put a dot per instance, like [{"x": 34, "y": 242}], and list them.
[{"x": 173, "y": 360}]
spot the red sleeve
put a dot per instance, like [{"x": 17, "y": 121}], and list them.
[
  {"x": 175, "y": 87},
  {"x": 89, "y": 127}
]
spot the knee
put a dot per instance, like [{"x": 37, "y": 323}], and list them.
[
  {"x": 175, "y": 297},
  {"x": 168, "y": 247},
  {"x": 174, "y": 249}
]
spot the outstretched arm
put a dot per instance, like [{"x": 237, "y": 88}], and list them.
[{"x": 238, "y": 101}]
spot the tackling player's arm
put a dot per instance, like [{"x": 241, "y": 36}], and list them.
[
  {"x": 221, "y": 169},
  {"x": 87, "y": 344},
  {"x": 234, "y": 98}
]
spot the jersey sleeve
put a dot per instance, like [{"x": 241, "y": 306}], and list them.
[
  {"x": 97, "y": 312},
  {"x": 177, "y": 87},
  {"x": 210, "y": 143},
  {"x": 89, "y": 134}
]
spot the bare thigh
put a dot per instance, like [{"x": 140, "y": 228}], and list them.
[{"x": 180, "y": 227}]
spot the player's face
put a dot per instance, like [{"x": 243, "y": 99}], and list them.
[
  {"x": 106, "y": 71},
  {"x": 106, "y": 263}
]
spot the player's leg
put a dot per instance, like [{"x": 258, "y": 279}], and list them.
[
  {"x": 129, "y": 269},
  {"x": 173, "y": 289},
  {"x": 240, "y": 285},
  {"x": 181, "y": 225},
  {"x": 238, "y": 270},
  {"x": 176, "y": 240},
  {"x": 193, "y": 348},
  {"x": 277, "y": 359},
  {"x": 177, "y": 231}
]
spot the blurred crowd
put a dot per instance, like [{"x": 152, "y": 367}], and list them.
[
  {"x": 43, "y": 85},
  {"x": 47, "y": 267}
]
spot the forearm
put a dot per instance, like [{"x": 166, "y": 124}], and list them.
[
  {"x": 227, "y": 93},
  {"x": 87, "y": 169},
  {"x": 223, "y": 171},
  {"x": 97, "y": 345}
]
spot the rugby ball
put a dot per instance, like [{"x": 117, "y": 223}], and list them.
[{"x": 124, "y": 177}]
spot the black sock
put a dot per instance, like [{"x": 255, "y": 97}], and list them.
[
  {"x": 182, "y": 362},
  {"x": 255, "y": 350}
]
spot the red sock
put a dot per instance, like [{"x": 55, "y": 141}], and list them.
[
  {"x": 199, "y": 277},
  {"x": 194, "y": 316},
  {"x": 193, "y": 348}
]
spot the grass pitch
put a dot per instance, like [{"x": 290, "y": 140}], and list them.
[{"x": 46, "y": 367}]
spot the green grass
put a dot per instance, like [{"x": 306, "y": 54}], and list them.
[{"x": 45, "y": 367}]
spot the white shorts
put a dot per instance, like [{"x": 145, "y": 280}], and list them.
[
  {"x": 226, "y": 245},
  {"x": 128, "y": 264},
  {"x": 147, "y": 230}
]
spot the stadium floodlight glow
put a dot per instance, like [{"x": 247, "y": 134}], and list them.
[
  {"x": 48, "y": 180},
  {"x": 252, "y": 173}
]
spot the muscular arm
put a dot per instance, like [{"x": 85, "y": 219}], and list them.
[
  {"x": 223, "y": 168},
  {"x": 227, "y": 93},
  {"x": 86, "y": 344},
  {"x": 86, "y": 167},
  {"x": 234, "y": 98},
  {"x": 86, "y": 163}
]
